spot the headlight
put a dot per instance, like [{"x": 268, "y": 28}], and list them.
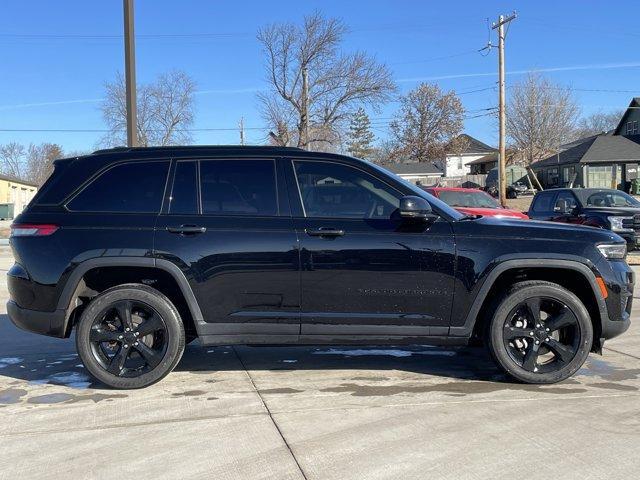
[
  {"x": 616, "y": 224},
  {"x": 613, "y": 252}
]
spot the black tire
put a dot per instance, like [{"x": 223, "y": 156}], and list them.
[
  {"x": 561, "y": 334},
  {"x": 154, "y": 341}
]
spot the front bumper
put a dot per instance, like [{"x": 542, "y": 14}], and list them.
[
  {"x": 619, "y": 279},
  {"x": 632, "y": 239},
  {"x": 45, "y": 323}
]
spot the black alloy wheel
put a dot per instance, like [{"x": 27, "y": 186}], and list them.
[
  {"x": 542, "y": 335},
  {"x": 128, "y": 338},
  {"x": 540, "y": 332}
]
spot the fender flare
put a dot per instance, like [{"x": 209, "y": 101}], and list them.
[
  {"x": 64, "y": 302},
  {"x": 467, "y": 328}
]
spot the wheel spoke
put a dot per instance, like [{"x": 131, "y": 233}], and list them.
[
  {"x": 562, "y": 319},
  {"x": 101, "y": 335},
  {"x": 562, "y": 352},
  {"x": 152, "y": 357},
  {"x": 150, "y": 325},
  {"x": 533, "y": 305},
  {"x": 116, "y": 366},
  {"x": 124, "y": 313},
  {"x": 514, "y": 332},
  {"x": 531, "y": 358}
]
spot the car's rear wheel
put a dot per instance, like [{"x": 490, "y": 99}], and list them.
[
  {"x": 540, "y": 333},
  {"x": 130, "y": 336}
]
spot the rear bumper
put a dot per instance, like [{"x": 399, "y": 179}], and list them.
[{"x": 45, "y": 323}]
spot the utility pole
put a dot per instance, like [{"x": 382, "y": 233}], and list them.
[
  {"x": 502, "y": 160},
  {"x": 241, "y": 125},
  {"x": 130, "y": 73},
  {"x": 305, "y": 107}
]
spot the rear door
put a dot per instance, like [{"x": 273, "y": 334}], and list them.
[
  {"x": 227, "y": 225},
  {"x": 365, "y": 272}
]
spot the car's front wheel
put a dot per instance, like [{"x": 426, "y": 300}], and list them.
[
  {"x": 540, "y": 332},
  {"x": 130, "y": 336}
]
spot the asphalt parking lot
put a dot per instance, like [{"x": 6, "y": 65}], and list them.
[{"x": 315, "y": 413}]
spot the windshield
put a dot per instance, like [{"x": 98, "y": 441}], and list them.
[
  {"x": 611, "y": 199},
  {"x": 470, "y": 199}
]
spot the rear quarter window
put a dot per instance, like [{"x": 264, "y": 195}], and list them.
[{"x": 136, "y": 187}]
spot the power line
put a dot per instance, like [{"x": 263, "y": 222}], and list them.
[{"x": 445, "y": 57}]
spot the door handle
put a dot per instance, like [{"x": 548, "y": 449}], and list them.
[
  {"x": 187, "y": 229},
  {"x": 324, "y": 232}
]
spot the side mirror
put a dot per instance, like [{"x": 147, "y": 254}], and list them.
[{"x": 415, "y": 208}]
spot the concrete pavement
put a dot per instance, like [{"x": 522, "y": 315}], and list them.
[{"x": 316, "y": 413}]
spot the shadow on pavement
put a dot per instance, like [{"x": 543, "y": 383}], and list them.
[{"x": 42, "y": 360}]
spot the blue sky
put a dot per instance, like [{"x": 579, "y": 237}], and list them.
[{"x": 56, "y": 56}]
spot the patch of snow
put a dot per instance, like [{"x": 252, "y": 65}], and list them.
[
  {"x": 388, "y": 352},
  {"x": 67, "y": 379},
  {"x": 6, "y": 361},
  {"x": 289, "y": 361}
]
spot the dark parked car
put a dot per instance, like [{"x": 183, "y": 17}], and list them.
[
  {"x": 595, "y": 207},
  {"x": 140, "y": 250}
]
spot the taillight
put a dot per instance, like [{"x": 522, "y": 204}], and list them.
[{"x": 32, "y": 230}]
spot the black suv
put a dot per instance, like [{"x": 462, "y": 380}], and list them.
[
  {"x": 593, "y": 207},
  {"x": 142, "y": 250}
]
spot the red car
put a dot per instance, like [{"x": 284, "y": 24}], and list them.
[{"x": 471, "y": 201}]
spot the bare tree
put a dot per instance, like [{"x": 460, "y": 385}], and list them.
[
  {"x": 34, "y": 163},
  {"x": 39, "y": 161},
  {"x": 12, "y": 158},
  {"x": 541, "y": 116},
  {"x": 386, "y": 153},
  {"x": 165, "y": 110},
  {"x": 596, "y": 123},
  {"x": 336, "y": 83},
  {"x": 428, "y": 123}
]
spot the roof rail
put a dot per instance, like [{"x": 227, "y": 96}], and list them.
[{"x": 188, "y": 147}]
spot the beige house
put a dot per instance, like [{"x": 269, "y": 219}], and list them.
[{"x": 15, "y": 194}]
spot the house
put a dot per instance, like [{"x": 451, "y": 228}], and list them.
[
  {"x": 15, "y": 194},
  {"x": 482, "y": 165},
  {"x": 458, "y": 164},
  {"x": 424, "y": 173},
  {"x": 608, "y": 160}
]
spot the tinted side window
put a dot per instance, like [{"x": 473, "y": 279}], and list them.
[
  {"x": 565, "y": 202},
  {"x": 126, "y": 188},
  {"x": 543, "y": 202},
  {"x": 184, "y": 194},
  {"x": 238, "y": 187},
  {"x": 339, "y": 191}
]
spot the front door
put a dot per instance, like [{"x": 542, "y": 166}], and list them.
[
  {"x": 366, "y": 272},
  {"x": 228, "y": 228}
]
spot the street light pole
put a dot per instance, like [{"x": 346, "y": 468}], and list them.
[{"x": 130, "y": 73}]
